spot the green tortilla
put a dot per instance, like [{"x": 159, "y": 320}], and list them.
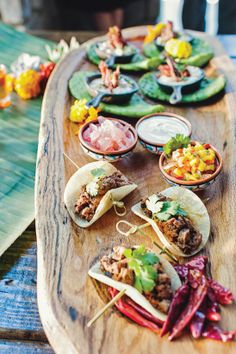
[
  {"x": 209, "y": 87},
  {"x": 135, "y": 108},
  {"x": 139, "y": 62},
  {"x": 201, "y": 53}
]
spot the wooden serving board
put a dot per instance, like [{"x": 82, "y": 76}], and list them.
[{"x": 67, "y": 297}]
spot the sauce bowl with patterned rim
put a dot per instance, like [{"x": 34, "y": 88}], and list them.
[
  {"x": 111, "y": 156},
  {"x": 154, "y": 130},
  {"x": 192, "y": 185}
]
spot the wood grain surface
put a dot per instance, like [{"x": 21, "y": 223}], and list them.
[{"x": 67, "y": 298}]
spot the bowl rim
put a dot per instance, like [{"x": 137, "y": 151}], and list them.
[
  {"x": 169, "y": 114},
  {"x": 192, "y": 183},
  {"x": 105, "y": 153}
]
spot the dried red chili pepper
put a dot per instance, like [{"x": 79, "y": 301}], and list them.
[
  {"x": 131, "y": 313},
  {"x": 219, "y": 293},
  {"x": 197, "y": 324},
  {"x": 144, "y": 313},
  {"x": 197, "y": 295},
  {"x": 182, "y": 271},
  {"x": 214, "y": 332},
  {"x": 179, "y": 299},
  {"x": 212, "y": 311},
  {"x": 198, "y": 263}
]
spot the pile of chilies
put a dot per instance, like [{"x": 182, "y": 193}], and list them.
[{"x": 195, "y": 306}]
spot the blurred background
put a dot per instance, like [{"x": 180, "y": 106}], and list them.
[{"x": 212, "y": 16}]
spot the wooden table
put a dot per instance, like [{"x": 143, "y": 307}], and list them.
[{"x": 20, "y": 327}]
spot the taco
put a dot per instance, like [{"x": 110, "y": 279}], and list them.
[
  {"x": 92, "y": 191},
  {"x": 179, "y": 218},
  {"x": 147, "y": 278}
]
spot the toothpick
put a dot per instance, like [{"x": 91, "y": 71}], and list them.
[
  {"x": 106, "y": 307},
  {"x": 73, "y": 163}
]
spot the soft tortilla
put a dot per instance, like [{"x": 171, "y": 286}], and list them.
[
  {"x": 96, "y": 273},
  {"x": 195, "y": 209},
  {"x": 82, "y": 177}
]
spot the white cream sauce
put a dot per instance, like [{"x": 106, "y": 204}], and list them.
[
  {"x": 159, "y": 129},
  {"x": 195, "y": 75}
]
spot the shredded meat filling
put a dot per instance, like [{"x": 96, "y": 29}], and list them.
[
  {"x": 171, "y": 70},
  {"x": 86, "y": 205},
  {"x": 178, "y": 229},
  {"x": 116, "y": 267}
]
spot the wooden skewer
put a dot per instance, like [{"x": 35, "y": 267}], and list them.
[
  {"x": 106, "y": 307},
  {"x": 71, "y": 160}
]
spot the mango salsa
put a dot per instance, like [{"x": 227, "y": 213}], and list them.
[{"x": 191, "y": 163}]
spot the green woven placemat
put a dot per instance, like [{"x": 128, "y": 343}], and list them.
[{"x": 19, "y": 126}]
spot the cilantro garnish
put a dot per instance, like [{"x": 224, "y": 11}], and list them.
[
  {"x": 98, "y": 172},
  {"x": 141, "y": 262},
  {"x": 170, "y": 209},
  {"x": 163, "y": 210},
  {"x": 179, "y": 141}
]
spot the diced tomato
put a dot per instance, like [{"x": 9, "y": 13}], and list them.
[{"x": 207, "y": 146}]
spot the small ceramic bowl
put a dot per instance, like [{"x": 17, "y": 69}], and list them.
[
  {"x": 110, "y": 156},
  {"x": 192, "y": 185},
  {"x": 151, "y": 144}
]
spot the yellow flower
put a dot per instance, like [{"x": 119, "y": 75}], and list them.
[
  {"x": 27, "y": 85},
  {"x": 178, "y": 49},
  {"x": 79, "y": 112},
  {"x": 153, "y": 32}
]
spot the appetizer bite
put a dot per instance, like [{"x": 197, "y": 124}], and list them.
[
  {"x": 110, "y": 86},
  {"x": 93, "y": 190},
  {"x": 148, "y": 279},
  {"x": 195, "y": 306},
  {"x": 162, "y": 33},
  {"x": 156, "y": 129},
  {"x": 177, "y": 79},
  {"x": 107, "y": 138},
  {"x": 162, "y": 39},
  {"x": 179, "y": 218},
  {"x": 190, "y": 163},
  {"x": 115, "y": 49}
]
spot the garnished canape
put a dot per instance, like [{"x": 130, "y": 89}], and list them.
[
  {"x": 163, "y": 33},
  {"x": 178, "y": 79},
  {"x": 148, "y": 278},
  {"x": 110, "y": 86},
  {"x": 115, "y": 45},
  {"x": 178, "y": 217},
  {"x": 110, "y": 81},
  {"x": 93, "y": 190}
]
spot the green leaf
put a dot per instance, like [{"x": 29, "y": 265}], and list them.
[
  {"x": 179, "y": 141},
  {"x": 98, "y": 172},
  {"x": 19, "y": 126},
  {"x": 141, "y": 262},
  {"x": 170, "y": 209}
]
